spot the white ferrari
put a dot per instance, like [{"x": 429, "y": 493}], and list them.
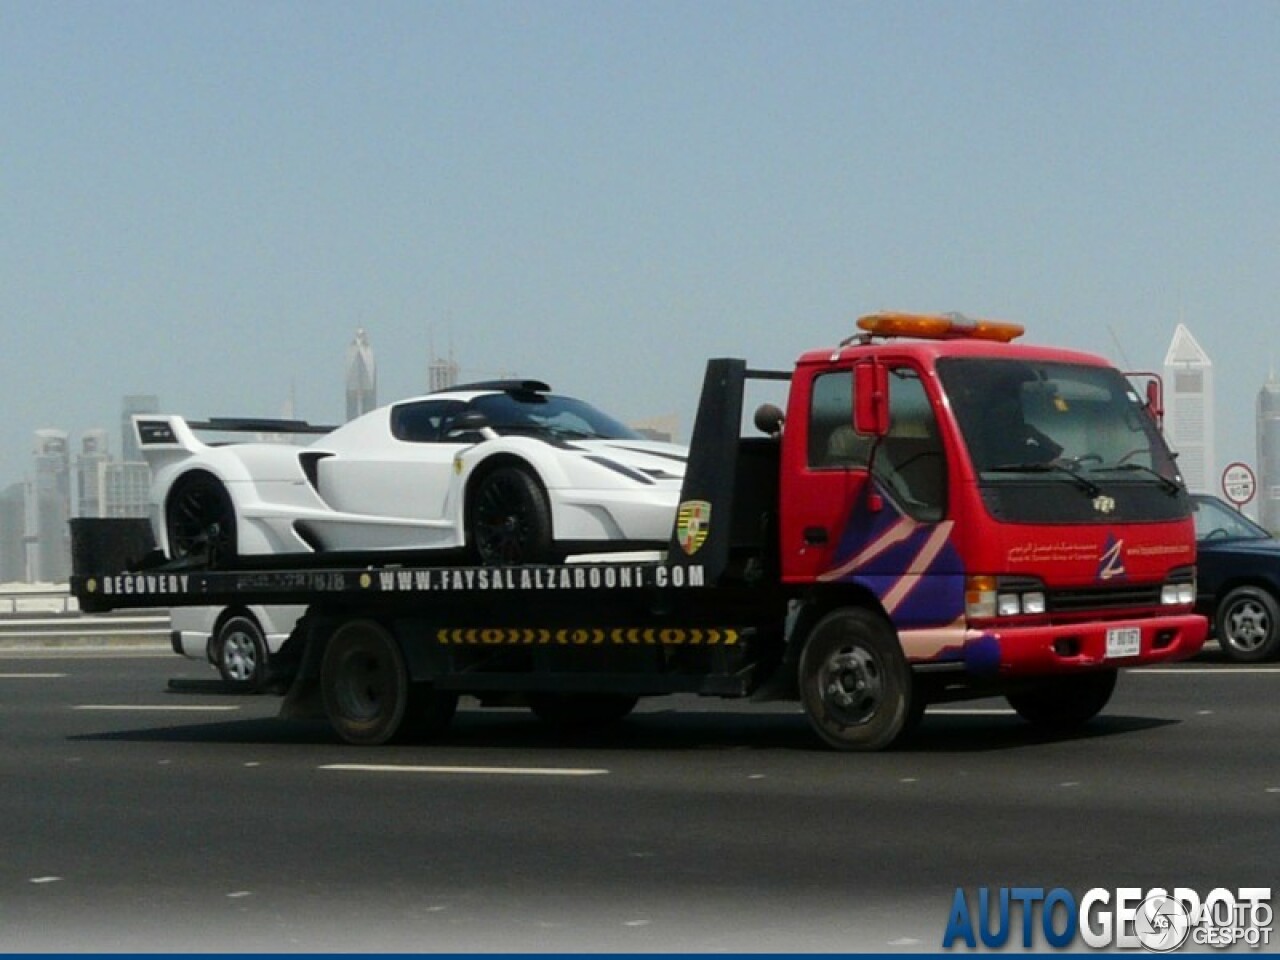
[{"x": 502, "y": 472}]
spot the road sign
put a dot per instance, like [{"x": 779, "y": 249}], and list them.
[{"x": 1238, "y": 483}]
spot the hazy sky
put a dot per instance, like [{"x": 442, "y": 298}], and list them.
[{"x": 205, "y": 200}]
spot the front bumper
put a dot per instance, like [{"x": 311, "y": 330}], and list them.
[{"x": 1068, "y": 648}]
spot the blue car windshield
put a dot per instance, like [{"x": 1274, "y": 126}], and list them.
[
  {"x": 1216, "y": 520},
  {"x": 552, "y": 415}
]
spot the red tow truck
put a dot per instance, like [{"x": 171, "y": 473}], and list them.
[{"x": 938, "y": 513}]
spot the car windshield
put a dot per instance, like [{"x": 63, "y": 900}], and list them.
[
  {"x": 1216, "y": 520},
  {"x": 551, "y": 415},
  {"x": 1037, "y": 417}
]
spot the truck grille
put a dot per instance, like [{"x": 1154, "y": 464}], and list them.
[{"x": 1095, "y": 598}]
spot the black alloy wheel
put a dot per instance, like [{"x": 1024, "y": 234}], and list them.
[{"x": 509, "y": 519}]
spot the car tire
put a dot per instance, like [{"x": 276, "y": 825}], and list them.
[
  {"x": 855, "y": 684},
  {"x": 240, "y": 654},
  {"x": 200, "y": 521},
  {"x": 508, "y": 519},
  {"x": 1062, "y": 704},
  {"x": 1247, "y": 625}
]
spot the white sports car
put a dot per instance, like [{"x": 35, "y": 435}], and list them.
[{"x": 502, "y": 472}]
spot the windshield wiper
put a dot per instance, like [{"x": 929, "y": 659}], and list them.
[
  {"x": 1169, "y": 486},
  {"x": 1084, "y": 483}
]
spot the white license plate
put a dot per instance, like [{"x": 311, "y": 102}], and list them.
[{"x": 1124, "y": 642}]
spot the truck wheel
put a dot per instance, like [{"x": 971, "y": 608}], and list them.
[
  {"x": 1064, "y": 703},
  {"x": 581, "y": 709},
  {"x": 509, "y": 519},
  {"x": 854, "y": 681},
  {"x": 364, "y": 683},
  {"x": 200, "y": 521},
  {"x": 1247, "y": 625},
  {"x": 240, "y": 653}
]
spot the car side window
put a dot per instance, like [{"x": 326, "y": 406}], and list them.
[{"x": 423, "y": 421}]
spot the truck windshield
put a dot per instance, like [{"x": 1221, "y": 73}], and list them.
[{"x": 1031, "y": 423}]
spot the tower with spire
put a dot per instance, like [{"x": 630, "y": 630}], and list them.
[
  {"x": 1188, "y": 421},
  {"x": 362, "y": 376}
]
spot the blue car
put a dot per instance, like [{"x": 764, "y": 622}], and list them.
[{"x": 1237, "y": 581}]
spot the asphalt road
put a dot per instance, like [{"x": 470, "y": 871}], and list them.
[{"x": 138, "y": 818}]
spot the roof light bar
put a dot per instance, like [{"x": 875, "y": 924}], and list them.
[{"x": 938, "y": 326}]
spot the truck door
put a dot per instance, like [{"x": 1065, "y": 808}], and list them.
[{"x": 829, "y": 466}]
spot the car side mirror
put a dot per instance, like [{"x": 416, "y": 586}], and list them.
[{"x": 472, "y": 422}]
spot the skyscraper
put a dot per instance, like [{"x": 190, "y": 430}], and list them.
[
  {"x": 13, "y": 533},
  {"x": 93, "y": 457},
  {"x": 362, "y": 376},
  {"x": 52, "y": 505},
  {"x": 441, "y": 373},
  {"x": 1188, "y": 420},
  {"x": 1268, "y": 419},
  {"x": 134, "y": 403}
]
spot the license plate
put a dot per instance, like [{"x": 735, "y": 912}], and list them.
[{"x": 1124, "y": 642}]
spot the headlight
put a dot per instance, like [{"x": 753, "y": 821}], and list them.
[
  {"x": 987, "y": 597},
  {"x": 1178, "y": 594}
]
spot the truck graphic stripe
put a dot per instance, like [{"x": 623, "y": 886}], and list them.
[{"x": 587, "y": 636}]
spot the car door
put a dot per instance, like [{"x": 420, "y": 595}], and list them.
[{"x": 405, "y": 472}]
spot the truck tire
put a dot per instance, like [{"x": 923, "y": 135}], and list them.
[
  {"x": 364, "y": 683},
  {"x": 240, "y": 654},
  {"x": 508, "y": 519},
  {"x": 854, "y": 681},
  {"x": 580, "y": 710},
  {"x": 1247, "y": 625},
  {"x": 1064, "y": 703}
]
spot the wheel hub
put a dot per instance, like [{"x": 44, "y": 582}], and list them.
[
  {"x": 1248, "y": 626},
  {"x": 239, "y": 656},
  {"x": 851, "y": 685}
]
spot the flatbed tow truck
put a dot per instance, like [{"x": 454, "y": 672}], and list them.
[{"x": 870, "y": 552}]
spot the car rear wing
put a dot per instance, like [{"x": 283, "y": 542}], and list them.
[{"x": 162, "y": 432}]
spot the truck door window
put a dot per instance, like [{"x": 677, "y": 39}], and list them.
[
  {"x": 832, "y": 440},
  {"x": 909, "y": 461},
  {"x": 911, "y": 456}
]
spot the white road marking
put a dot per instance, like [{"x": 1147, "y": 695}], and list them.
[
  {"x": 32, "y": 676},
  {"x": 496, "y": 771},
  {"x": 155, "y": 708},
  {"x": 1220, "y": 671},
  {"x": 971, "y": 711}
]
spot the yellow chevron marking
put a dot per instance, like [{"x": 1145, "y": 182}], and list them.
[{"x": 587, "y": 636}]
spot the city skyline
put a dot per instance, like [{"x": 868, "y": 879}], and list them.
[
  {"x": 204, "y": 201},
  {"x": 35, "y": 511}
]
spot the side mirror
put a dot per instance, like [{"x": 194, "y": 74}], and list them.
[
  {"x": 1153, "y": 391},
  {"x": 768, "y": 419},
  {"x": 871, "y": 398},
  {"x": 470, "y": 423},
  {"x": 1155, "y": 401}
]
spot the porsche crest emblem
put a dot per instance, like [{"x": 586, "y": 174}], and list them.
[{"x": 693, "y": 522}]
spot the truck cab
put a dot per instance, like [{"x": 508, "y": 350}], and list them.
[{"x": 1009, "y": 508}]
